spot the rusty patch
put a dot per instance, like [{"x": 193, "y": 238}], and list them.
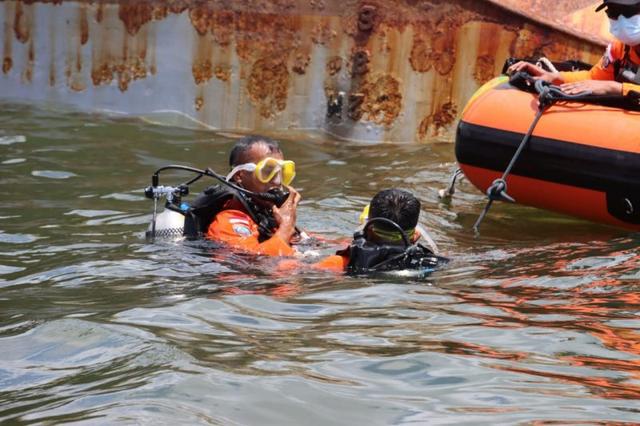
[
  {"x": 135, "y": 14},
  {"x": 354, "y": 106},
  {"x": 301, "y": 62},
  {"x": 268, "y": 85},
  {"x": 200, "y": 17},
  {"x": 222, "y": 25},
  {"x": 367, "y": 18},
  {"x": 318, "y": 5},
  {"x": 322, "y": 34},
  {"x": 77, "y": 85},
  {"x": 222, "y": 72},
  {"x": 260, "y": 35},
  {"x": 437, "y": 50},
  {"x": 100, "y": 12},
  {"x": 102, "y": 75},
  {"x": 334, "y": 65},
  {"x": 7, "y": 64},
  {"x": 177, "y": 6},
  {"x": 382, "y": 100},
  {"x": 360, "y": 62},
  {"x": 484, "y": 69},
  {"x": 442, "y": 118},
  {"x": 202, "y": 71},
  {"x": 421, "y": 52},
  {"x": 124, "y": 72},
  {"x": 198, "y": 103},
  {"x": 20, "y": 26}
]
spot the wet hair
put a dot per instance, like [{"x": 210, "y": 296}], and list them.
[
  {"x": 244, "y": 144},
  {"x": 398, "y": 205}
]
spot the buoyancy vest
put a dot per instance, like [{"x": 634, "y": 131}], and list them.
[
  {"x": 366, "y": 257},
  {"x": 625, "y": 70},
  {"x": 204, "y": 208}
]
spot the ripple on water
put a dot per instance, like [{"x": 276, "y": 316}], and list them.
[
  {"x": 92, "y": 213},
  {"x": 4, "y": 269},
  {"x": 124, "y": 197},
  {"x": 53, "y": 174},
  {"x": 17, "y": 238},
  {"x": 14, "y": 161},
  {"x": 10, "y": 140}
]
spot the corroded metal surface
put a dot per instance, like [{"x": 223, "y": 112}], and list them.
[{"x": 374, "y": 70}]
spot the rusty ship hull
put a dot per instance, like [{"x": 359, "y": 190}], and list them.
[{"x": 368, "y": 70}]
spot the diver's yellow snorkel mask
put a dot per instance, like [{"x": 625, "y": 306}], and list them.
[
  {"x": 391, "y": 236},
  {"x": 396, "y": 236},
  {"x": 267, "y": 169}
]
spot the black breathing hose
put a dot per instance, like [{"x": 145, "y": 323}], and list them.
[{"x": 277, "y": 199}]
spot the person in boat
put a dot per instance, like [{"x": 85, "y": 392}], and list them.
[
  {"x": 617, "y": 73},
  {"x": 390, "y": 240},
  {"x": 251, "y": 223}
]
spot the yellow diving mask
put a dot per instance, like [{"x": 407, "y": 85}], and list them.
[
  {"x": 267, "y": 169},
  {"x": 422, "y": 232},
  {"x": 393, "y": 236}
]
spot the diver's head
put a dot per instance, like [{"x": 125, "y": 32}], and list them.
[
  {"x": 399, "y": 206},
  {"x": 257, "y": 164}
]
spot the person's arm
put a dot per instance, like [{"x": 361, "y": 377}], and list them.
[
  {"x": 600, "y": 79},
  {"x": 335, "y": 263},
  {"x": 238, "y": 230}
]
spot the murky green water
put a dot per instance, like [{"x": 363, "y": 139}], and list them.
[{"x": 537, "y": 320}]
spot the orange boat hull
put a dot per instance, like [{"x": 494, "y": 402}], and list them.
[{"x": 582, "y": 160}]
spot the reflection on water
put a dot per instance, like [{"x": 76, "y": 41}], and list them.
[{"x": 535, "y": 321}]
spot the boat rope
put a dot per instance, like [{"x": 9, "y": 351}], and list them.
[{"x": 547, "y": 96}]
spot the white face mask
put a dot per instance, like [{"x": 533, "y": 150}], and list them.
[{"x": 627, "y": 30}]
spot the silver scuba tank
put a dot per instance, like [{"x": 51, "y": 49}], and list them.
[{"x": 168, "y": 224}]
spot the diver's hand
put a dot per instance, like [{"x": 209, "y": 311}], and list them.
[
  {"x": 594, "y": 87},
  {"x": 535, "y": 71},
  {"x": 285, "y": 215}
]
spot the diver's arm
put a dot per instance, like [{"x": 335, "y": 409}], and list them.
[
  {"x": 238, "y": 230},
  {"x": 335, "y": 263}
]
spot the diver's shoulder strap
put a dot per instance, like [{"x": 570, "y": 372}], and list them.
[{"x": 204, "y": 209}]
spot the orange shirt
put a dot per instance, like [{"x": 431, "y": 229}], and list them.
[
  {"x": 236, "y": 228},
  {"x": 604, "y": 69}
]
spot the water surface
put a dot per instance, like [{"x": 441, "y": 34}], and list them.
[{"x": 533, "y": 322}]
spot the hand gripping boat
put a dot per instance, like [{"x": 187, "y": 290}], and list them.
[{"x": 582, "y": 158}]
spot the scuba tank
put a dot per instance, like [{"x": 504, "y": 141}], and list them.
[
  {"x": 180, "y": 219},
  {"x": 170, "y": 222}
]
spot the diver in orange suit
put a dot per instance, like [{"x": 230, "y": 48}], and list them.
[
  {"x": 617, "y": 72},
  {"x": 246, "y": 222},
  {"x": 389, "y": 241}
]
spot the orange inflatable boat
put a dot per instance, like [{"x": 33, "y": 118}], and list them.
[{"x": 582, "y": 159}]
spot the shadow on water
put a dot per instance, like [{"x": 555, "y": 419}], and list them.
[{"x": 534, "y": 321}]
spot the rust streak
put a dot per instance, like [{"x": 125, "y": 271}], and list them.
[
  {"x": 100, "y": 12},
  {"x": 135, "y": 14},
  {"x": 28, "y": 71},
  {"x": 20, "y": 25},
  {"x": 7, "y": 61},
  {"x": 84, "y": 25}
]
